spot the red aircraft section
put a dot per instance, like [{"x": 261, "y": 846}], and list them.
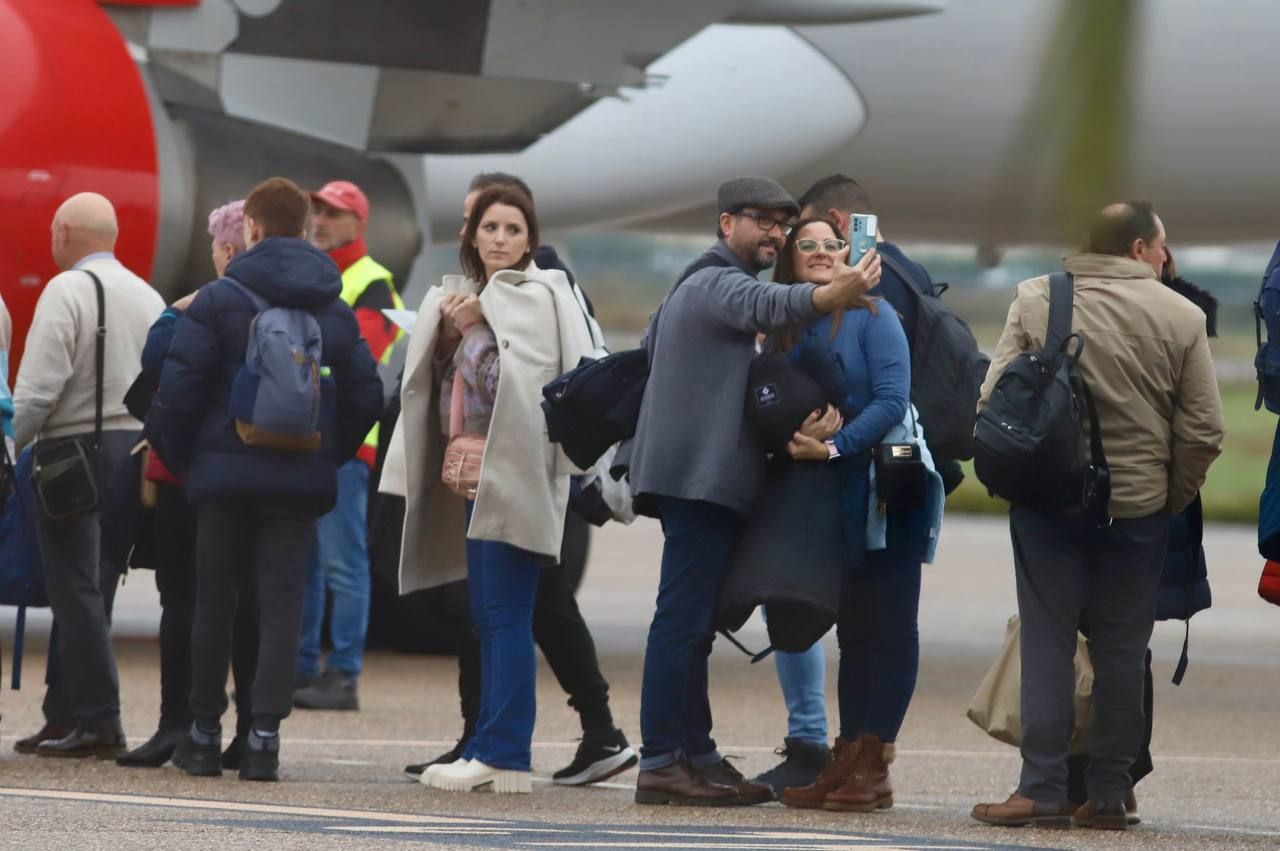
[{"x": 74, "y": 118}]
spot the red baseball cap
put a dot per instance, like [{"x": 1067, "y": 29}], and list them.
[{"x": 344, "y": 195}]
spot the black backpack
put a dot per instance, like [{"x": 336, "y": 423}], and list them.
[
  {"x": 947, "y": 370},
  {"x": 1267, "y": 361},
  {"x": 1029, "y": 443}
]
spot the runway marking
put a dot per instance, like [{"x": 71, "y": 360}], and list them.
[
  {"x": 1241, "y": 830},
  {"x": 241, "y": 806}
]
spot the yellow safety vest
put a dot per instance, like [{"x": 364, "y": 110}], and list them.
[{"x": 358, "y": 277}]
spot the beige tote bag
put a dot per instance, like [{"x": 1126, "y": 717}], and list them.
[{"x": 997, "y": 706}]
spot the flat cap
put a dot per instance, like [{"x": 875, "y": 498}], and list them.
[{"x": 734, "y": 195}]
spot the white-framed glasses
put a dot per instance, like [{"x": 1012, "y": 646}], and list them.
[{"x": 831, "y": 246}]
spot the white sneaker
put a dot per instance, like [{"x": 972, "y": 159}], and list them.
[
  {"x": 432, "y": 770},
  {"x": 475, "y": 775}
]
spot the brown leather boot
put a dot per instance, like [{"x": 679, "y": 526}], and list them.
[
  {"x": 867, "y": 789},
  {"x": 837, "y": 771}
]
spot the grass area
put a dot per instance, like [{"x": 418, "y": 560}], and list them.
[{"x": 1235, "y": 480}]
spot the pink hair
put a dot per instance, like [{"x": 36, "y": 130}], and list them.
[{"x": 226, "y": 225}]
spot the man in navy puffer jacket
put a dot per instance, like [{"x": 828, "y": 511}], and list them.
[{"x": 256, "y": 508}]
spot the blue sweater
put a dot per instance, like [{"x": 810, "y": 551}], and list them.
[{"x": 873, "y": 355}]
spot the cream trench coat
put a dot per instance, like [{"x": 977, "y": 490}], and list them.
[{"x": 524, "y": 482}]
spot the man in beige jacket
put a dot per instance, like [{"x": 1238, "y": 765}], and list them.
[{"x": 1146, "y": 360}]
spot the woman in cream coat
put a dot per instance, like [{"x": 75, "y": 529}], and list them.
[{"x": 505, "y": 339}]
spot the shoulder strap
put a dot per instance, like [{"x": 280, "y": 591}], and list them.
[
  {"x": 258, "y": 303},
  {"x": 708, "y": 260},
  {"x": 99, "y": 355},
  {"x": 902, "y": 272},
  {"x": 1061, "y": 291}
]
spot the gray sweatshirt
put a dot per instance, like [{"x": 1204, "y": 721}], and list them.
[{"x": 692, "y": 441}]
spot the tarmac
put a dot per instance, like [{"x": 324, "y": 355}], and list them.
[{"x": 1217, "y": 746}]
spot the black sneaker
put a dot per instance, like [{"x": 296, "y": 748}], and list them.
[
  {"x": 332, "y": 690},
  {"x": 234, "y": 753},
  {"x": 260, "y": 759},
  {"x": 802, "y": 762},
  {"x": 599, "y": 757},
  {"x": 199, "y": 760},
  {"x": 450, "y": 756}
]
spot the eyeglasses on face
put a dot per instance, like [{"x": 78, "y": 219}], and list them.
[
  {"x": 831, "y": 246},
  {"x": 766, "y": 222}
]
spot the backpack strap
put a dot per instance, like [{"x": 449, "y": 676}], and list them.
[
  {"x": 709, "y": 260},
  {"x": 755, "y": 657},
  {"x": 1061, "y": 291},
  {"x": 1259, "y": 317},
  {"x": 256, "y": 301},
  {"x": 99, "y": 356}
]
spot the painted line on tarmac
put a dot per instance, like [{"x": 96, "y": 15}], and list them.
[
  {"x": 1240, "y": 830},
  {"x": 241, "y": 807}
]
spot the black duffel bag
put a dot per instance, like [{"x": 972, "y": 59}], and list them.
[
  {"x": 790, "y": 557},
  {"x": 596, "y": 404}
]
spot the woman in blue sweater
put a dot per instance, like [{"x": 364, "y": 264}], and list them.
[{"x": 877, "y": 626}]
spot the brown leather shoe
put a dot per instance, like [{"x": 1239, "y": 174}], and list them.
[
  {"x": 867, "y": 787},
  {"x": 102, "y": 744},
  {"x": 1101, "y": 815},
  {"x": 1021, "y": 811},
  {"x": 679, "y": 785},
  {"x": 837, "y": 771},
  {"x": 724, "y": 774},
  {"x": 48, "y": 732}
]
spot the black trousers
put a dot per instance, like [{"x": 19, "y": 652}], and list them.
[
  {"x": 1069, "y": 572},
  {"x": 1078, "y": 764},
  {"x": 242, "y": 541},
  {"x": 558, "y": 629},
  {"x": 175, "y": 566}
]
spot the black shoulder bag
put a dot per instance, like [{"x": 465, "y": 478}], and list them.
[{"x": 67, "y": 475}]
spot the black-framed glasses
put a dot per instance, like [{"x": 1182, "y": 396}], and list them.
[
  {"x": 766, "y": 222},
  {"x": 831, "y": 246}
]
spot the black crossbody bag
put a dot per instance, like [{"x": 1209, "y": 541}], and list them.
[
  {"x": 67, "y": 473},
  {"x": 902, "y": 479}
]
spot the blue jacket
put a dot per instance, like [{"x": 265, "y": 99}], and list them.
[
  {"x": 873, "y": 355},
  {"x": 189, "y": 425}
]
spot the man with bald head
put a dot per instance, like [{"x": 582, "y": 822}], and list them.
[
  {"x": 1147, "y": 365},
  {"x": 55, "y": 399}
]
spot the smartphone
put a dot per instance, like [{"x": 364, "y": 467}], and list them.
[{"x": 862, "y": 234}]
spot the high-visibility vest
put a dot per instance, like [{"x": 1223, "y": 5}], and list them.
[{"x": 358, "y": 277}]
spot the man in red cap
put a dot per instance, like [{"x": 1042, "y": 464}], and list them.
[{"x": 340, "y": 562}]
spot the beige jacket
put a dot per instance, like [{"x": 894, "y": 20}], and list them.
[
  {"x": 524, "y": 483},
  {"x": 1146, "y": 360}
]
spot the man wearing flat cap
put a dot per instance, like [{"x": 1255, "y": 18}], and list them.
[{"x": 696, "y": 465}]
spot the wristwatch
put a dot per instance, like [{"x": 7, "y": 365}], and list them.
[{"x": 832, "y": 452}]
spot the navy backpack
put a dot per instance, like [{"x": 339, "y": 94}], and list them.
[
  {"x": 1266, "y": 312},
  {"x": 21, "y": 573}
]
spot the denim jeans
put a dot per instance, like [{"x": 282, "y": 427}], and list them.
[
  {"x": 340, "y": 565},
  {"x": 502, "y": 582},
  {"x": 879, "y": 637},
  {"x": 675, "y": 712},
  {"x": 802, "y": 677}
]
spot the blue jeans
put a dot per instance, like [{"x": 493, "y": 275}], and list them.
[
  {"x": 879, "y": 637},
  {"x": 502, "y": 582},
  {"x": 339, "y": 565},
  {"x": 675, "y": 713},
  {"x": 802, "y": 677}
]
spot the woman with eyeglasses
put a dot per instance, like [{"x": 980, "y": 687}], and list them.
[{"x": 877, "y": 623}]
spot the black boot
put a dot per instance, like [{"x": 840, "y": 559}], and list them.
[
  {"x": 802, "y": 762},
  {"x": 199, "y": 753},
  {"x": 155, "y": 753},
  {"x": 261, "y": 758}
]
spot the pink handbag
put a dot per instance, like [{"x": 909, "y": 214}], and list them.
[{"x": 464, "y": 456}]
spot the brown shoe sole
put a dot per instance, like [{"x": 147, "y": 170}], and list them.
[
  {"x": 97, "y": 753},
  {"x": 801, "y": 803},
  {"x": 1042, "y": 822},
  {"x": 655, "y": 797},
  {"x": 839, "y": 806}
]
